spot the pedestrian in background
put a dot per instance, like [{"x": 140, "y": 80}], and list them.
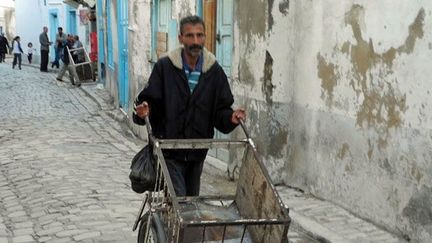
[
  {"x": 4, "y": 47},
  {"x": 78, "y": 55},
  {"x": 30, "y": 51},
  {"x": 66, "y": 63},
  {"x": 187, "y": 96},
  {"x": 44, "y": 49},
  {"x": 59, "y": 46},
  {"x": 17, "y": 51}
]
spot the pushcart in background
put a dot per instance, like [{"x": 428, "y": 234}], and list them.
[
  {"x": 81, "y": 65},
  {"x": 255, "y": 213}
]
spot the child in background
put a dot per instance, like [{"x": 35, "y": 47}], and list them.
[{"x": 30, "y": 51}]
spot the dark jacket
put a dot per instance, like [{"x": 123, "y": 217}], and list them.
[
  {"x": 4, "y": 44},
  {"x": 175, "y": 113},
  {"x": 65, "y": 57}
]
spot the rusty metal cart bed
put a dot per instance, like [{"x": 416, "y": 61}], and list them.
[{"x": 255, "y": 213}]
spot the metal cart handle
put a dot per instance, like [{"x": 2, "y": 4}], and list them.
[
  {"x": 149, "y": 129},
  {"x": 150, "y": 132}
]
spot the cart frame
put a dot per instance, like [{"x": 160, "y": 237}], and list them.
[
  {"x": 264, "y": 217},
  {"x": 87, "y": 62}
]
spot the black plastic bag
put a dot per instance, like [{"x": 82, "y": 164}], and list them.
[{"x": 143, "y": 170}]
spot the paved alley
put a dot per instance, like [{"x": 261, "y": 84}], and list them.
[{"x": 63, "y": 164}]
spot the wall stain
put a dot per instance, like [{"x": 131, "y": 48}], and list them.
[
  {"x": 251, "y": 18},
  {"x": 415, "y": 173},
  {"x": 343, "y": 151},
  {"x": 328, "y": 76},
  {"x": 268, "y": 76},
  {"x": 419, "y": 210},
  {"x": 382, "y": 106},
  {"x": 278, "y": 141},
  {"x": 245, "y": 74},
  {"x": 284, "y": 7},
  {"x": 270, "y": 16}
]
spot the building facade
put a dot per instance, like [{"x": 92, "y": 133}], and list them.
[
  {"x": 73, "y": 18},
  {"x": 337, "y": 93},
  {"x": 7, "y": 18}
]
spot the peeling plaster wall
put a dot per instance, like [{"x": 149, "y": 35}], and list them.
[
  {"x": 262, "y": 67},
  {"x": 337, "y": 95},
  {"x": 359, "y": 115},
  {"x": 139, "y": 51}
]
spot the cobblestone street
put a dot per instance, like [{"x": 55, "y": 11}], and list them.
[{"x": 63, "y": 167}]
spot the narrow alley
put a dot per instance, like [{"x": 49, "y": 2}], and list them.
[{"x": 64, "y": 164}]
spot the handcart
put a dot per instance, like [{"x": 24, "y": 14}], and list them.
[
  {"x": 82, "y": 67},
  {"x": 255, "y": 213}
]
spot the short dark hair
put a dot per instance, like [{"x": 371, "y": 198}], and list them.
[
  {"x": 194, "y": 19},
  {"x": 59, "y": 28}
]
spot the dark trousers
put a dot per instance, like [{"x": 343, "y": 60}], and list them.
[
  {"x": 44, "y": 61},
  {"x": 17, "y": 59},
  {"x": 29, "y": 57},
  {"x": 2, "y": 56},
  {"x": 185, "y": 176}
]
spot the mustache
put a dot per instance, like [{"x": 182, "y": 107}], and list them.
[{"x": 195, "y": 47}]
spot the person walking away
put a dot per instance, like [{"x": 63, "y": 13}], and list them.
[
  {"x": 66, "y": 63},
  {"x": 186, "y": 97},
  {"x": 4, "y": 47},
  {"x": 30, "y": 51},
  {"x": 44, "y": 49},
  {"x": 60, "y": 39},
  {"x": 17, "y": 51}
]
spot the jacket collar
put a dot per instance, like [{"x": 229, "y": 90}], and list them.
[{"x": 176, "y": 59}]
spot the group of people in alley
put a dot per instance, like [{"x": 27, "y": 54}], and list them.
[
  {"x": 62, "y": 46},
  {"x": 62, "y": 41},
  {"x": 16, "y": 49}
]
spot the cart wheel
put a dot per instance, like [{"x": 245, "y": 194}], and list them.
[{"x": 156, "y": 232}]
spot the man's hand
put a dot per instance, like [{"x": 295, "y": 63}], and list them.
[
  {"x": 143, "y": 110},
  {"x": 237, "y": 115}
]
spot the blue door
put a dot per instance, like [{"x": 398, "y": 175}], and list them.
[
  {"x": 71, "y": 23},
  {"x": 123, "y": 81},
  {"x": 224, "y": 34},
  {"x": 101, "y": 41},
  {"x": 53, "y": 25}
]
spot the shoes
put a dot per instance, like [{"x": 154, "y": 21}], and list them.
[
  {"x": 59, "y": 79},
  {"x": 19, "y": 68},
  {"x": 52, "y": 65},
  {"x": 78, "y": 84}
]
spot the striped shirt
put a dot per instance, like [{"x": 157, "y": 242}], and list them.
[{"x": 193, "y": 75}]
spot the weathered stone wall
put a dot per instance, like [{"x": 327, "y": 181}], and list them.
[
  {"x": 337, "y": 94},
  {"x": 338, "y": 101}
]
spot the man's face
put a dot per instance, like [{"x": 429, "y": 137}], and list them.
[
  {"x": 45, "y": 29},
  {"x": 193, "y": 38},
  {"x": 60, "y": 31}
]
